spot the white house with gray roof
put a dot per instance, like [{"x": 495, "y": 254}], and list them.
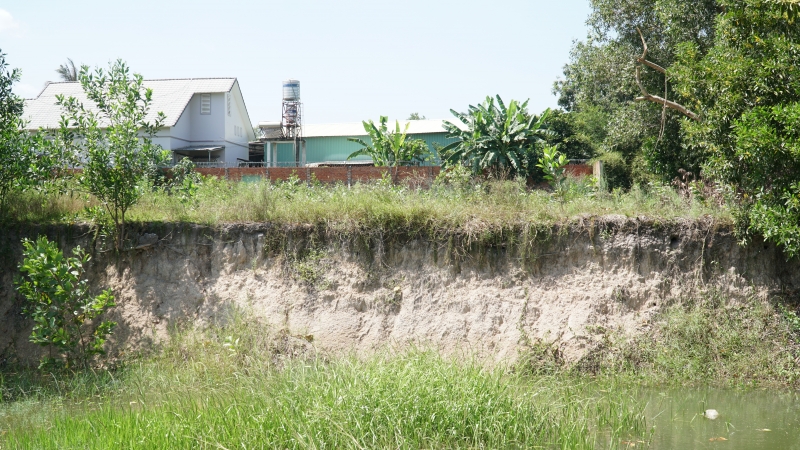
[{"x": 206, "y": 117}]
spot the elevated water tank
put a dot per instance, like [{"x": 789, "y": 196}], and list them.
[
  {"x": 291, "y": 90},
  {"x": 269, "y": 125}
]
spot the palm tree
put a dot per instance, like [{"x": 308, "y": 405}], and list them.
[{"x": 68, "y": 71}]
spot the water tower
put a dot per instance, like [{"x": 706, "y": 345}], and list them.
[{"x": 292, "y": 117}]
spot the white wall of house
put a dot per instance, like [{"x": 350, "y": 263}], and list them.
[
  {"x": 217, "y": 128},
  {"x": 237, "y": 130}
]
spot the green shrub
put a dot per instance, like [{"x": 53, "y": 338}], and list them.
[{"x": 60, "y": 305}]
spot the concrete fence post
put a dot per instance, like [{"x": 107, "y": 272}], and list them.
[{"x": 597, "y": 169}]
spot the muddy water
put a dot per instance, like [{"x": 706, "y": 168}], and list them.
[{"x": 748, "y": 419}]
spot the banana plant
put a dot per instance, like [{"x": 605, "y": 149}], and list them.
[
  {"x": 497, "y": 140},
  {"x": 390, "y": 148}
]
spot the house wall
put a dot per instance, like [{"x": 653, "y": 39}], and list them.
[
  {"x": 211, "y": 127},
  {"x": 216, "y": 128},
  {"x": 181, "y": 133},
  {"x": 236, "y": 142}
]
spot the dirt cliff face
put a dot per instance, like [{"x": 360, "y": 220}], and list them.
[{"x": 560, "y": 284}]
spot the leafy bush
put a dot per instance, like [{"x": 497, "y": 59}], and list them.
[
  {"x": 59, "y": 302},
  {"x": 390, "y": 148},
  {"x": 553, "y": 164},
  {"x": 747, "y": 92},
  {"x": 498, "y": 140}
]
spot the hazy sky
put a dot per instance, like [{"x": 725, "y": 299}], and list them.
[{"x": 355, "y": 59}]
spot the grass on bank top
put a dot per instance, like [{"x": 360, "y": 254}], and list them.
[
  {"x": 234, "y": 387},
  {"x": 471, "y": 208}
]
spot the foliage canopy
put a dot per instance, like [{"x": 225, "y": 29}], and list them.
[
  {"x": 116, "y": 158},
  {"x": 15, "y": 144},
  {"x": 390, "y": 148},
  {"x": 60, "y": 304},
  {"x": 747, "y": 89},
  {"x": 501, "y": 141}
]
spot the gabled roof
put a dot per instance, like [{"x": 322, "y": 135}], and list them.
[
  {"x": 357, "y": 128},
  {"x": 169, "y": 96}
]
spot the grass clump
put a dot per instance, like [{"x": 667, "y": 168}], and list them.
[
  {"x": 710, "y": 340},
  {"x": 243, "y": 386}
]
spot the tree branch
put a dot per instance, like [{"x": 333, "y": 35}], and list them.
[{"x": 654, "y": 98}]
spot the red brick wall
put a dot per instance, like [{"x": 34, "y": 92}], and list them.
[
  {"x": 330, "y": 174},
  {"x": 579, "y": 170},
  {"x": 364, "y": 174},
  {"x": 284, "y": 173},
  {"x": 412, "y": 176}
]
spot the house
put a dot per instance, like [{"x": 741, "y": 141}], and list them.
[
  {"x": 328, "y": 143},
  {"x": 207, "y": 120}
]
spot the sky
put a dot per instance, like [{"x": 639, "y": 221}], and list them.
[{"x": 356, "y": 60}]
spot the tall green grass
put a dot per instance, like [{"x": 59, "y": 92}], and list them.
[
  {"x": 471, "y": 209},
  {"x": 237, "y": 387},
  {"x": 710, "y": 340}
]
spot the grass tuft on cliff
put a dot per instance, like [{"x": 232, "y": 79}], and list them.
[{"x": 709, "y": 340}]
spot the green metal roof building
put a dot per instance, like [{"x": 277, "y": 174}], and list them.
[{"x": 328, "y": 143}]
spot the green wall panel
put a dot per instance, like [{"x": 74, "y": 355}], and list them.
[{"x": 338, "y": 148}]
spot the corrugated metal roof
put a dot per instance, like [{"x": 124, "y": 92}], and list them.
[
  {"x": 170, "y": 96},
  {"x": 357, "y": 128}
]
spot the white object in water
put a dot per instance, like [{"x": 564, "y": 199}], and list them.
[{"x": 711, "y": 414}]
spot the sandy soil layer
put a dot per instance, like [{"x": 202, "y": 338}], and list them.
[{"x": 362, "y": 293}]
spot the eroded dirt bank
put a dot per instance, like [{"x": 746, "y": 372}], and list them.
[{"x": 559, "y": 284}]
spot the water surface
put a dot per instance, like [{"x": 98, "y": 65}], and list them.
[{"x": 748, "y": 419}]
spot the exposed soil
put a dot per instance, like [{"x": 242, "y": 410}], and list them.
[{"x": 364, "y": 292}]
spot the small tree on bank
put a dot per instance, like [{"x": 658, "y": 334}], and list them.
[
  {"x": 113, "y": 143},
  {"x": 60, "y": 305},
  {"x": 15, "y": 143}
]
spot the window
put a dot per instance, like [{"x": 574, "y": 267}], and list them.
[
  {"x": 205, "y": 103},
  {"x": 229, "y": 103}
]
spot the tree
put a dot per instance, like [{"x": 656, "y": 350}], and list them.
[
  {"x": 116, "y": 160},
  {"x": 67, "y": 71},
  {"x": 416, "y": 116},
  {"x": 501, "y": 141},
  {"x": 15, "y": 143},
  {"x": 599, "y": 78},
  {"x": 746, "y": 90},
  {"x": 59, "y": 302},
  {"x": 390, "y": 148},
  {"x": 577, "y": 134},
  {"x": 554, "y": 165}
]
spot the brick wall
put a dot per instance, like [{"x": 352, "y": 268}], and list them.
[{"x": 414, "y": 176}]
